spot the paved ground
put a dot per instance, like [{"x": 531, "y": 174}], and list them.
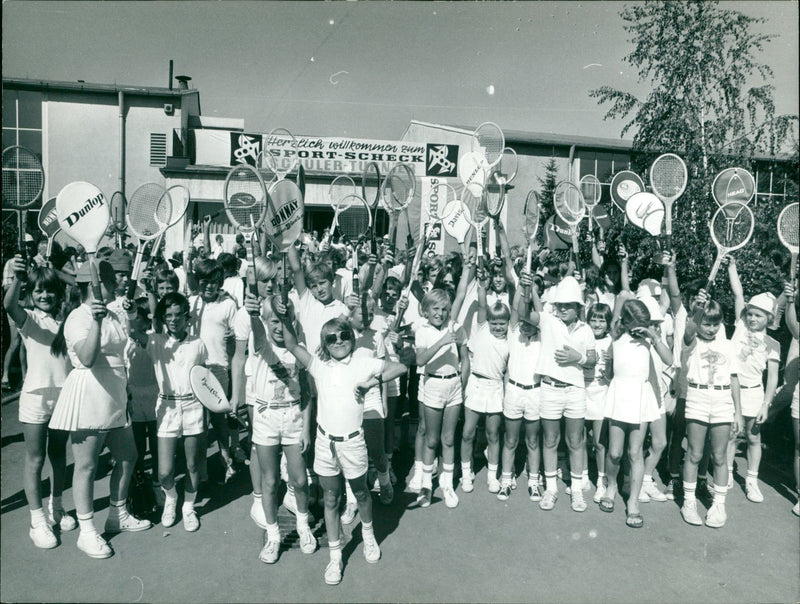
[{"x": 483, "y": 551}]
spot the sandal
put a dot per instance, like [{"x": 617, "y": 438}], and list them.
[
  {"x": 635, "y": 520},
  {"x": 607, "y": 505}
]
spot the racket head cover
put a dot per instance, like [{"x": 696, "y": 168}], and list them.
[
  {"x": 531, "y": 211},
  {"x": 23, "y": 178},
  {"x": 83, "y": 213},
  {"x": 245, "y": 198},
  {"x": 733, "y": 184},
  {"x": 286, "y": 160},
  {"x": 208, "y": 390},
  {"x": 48, "y": 218},
  {"x": 488, "y": 140},
  {"x": 439, "y": 197},
  {"x": 372, "y": 174},
  {"x": 624, "y": 185},
  {"x": 568, "y": 202},
  {"x": 179, "y": 195},
  {"x": 399, "y": 187},
  {"x": 591, "y": 190},
  {"x": 285, "y": 211},
  {"x": 354, "y": 218},
  {"x": 476, "y": 210},
  {"x": 731, "y": 226},
  {"x": 788, "y": 227},
  {"x": 668, "y": 177}
]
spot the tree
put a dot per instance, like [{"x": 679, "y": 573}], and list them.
[{"x": 699, "y": 62}]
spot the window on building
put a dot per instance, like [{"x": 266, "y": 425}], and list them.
[
  {"x": 22, "y": 119},
  {"x": 158, "y": 149}
]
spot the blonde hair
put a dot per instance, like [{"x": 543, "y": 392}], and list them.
[
  {"x": 264, "y": 269},
  {"x": 434, "y": 296},
  {"x": 498, "y": 312}
]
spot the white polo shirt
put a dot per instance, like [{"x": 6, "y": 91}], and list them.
[
  {"x": 754, "y": 350},
  {"x": 313, "y": 314},
  {"x": 554, "y": 334},
  {"x": 213, "y": 323},
  {"x": 445, "y": 361},
  {"x": 173, "y": 359},
  {"x": 488, "y": 354},
  {"x": 523, "y": 353}
]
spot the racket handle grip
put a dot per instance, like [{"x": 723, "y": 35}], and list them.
[
  {"x": 793, "y": 269},
  {"x": 713, "y": 275},
  {"x": 132, "y": 283},
  {"x": 96, "y": 291},
  {"x": 529, "y": 259}
]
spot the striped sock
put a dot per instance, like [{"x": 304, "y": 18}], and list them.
[
  {"x": 427, "y": 476},
  {"x": 719, "y": 494},
  {"x": 551, "y": 482},
  {"x": 86, "y": 522}
]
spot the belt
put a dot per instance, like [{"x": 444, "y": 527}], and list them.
[
  {"x": 481, "y": 376},
  {"x": 277, "y": 405},
  {"x": 176, "y": 397},
  {"x": 523, "y": 386},
  {"x": 707, "y": 387},
  {"x": 442, "y": 377},
  {"x": 748, "y": 387},
  {"x": 555, "y": 383},
  {"x": 339, "y": 439}
]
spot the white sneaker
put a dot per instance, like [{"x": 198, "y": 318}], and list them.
[
  {"x": 59, "y": 517},
  {"x": 449, "y": 496},
  {"x": 333, "y": 572},
  {"x": 600, "y": 492},
  {"x": 505, "y": 491},
  {"x": 534, "y": 491},
  {"x": 752, "y": 490},
  {"x": 372, "y": 551},
  {"x": 169, "y": 515},
  {"x": 257, "y": 514},
  {"x": 548, "y": 501},
  {"x": 308, "y": 542},
  {"x": 94, "y": 546},
  {"x": 493, "y": 484},
  {"x": 349, "y": 514},
  {"x": 270, "y": 551},
  {"x": 587, "y": 484},
  {"x": 42, "y": 536},
  {"x": 716, "y": 516},
  {"x": 513, "y": 482},
  {"x": 128, "y": 524},
  {"x": 290, "y": 503},
  {"x": 650, "y": 492},
  {"x": 577, "y": 501},
  {"x": 415, "y": 482},
  {"x": 190, "y": 521},
  {"x": 468, "y": 482},
  {"x": 796, "y": 509},
  {"x": 689, "y": 512}
]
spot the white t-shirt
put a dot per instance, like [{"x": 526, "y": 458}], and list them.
[
  {"x": 213, "y": 323},
  {"x": 523, "y": 353},
  {"x": 370, "y": 344},
  {"x": 679, "y": 362},
  {"x": 342, "y": 284},
  {"x": 276, "y": 375},
  {"x": 44, "y": 369},
  {"x": 597, "y": 372},
  {"x": 113, "y": 338},
  {"x": 554, "y": 335},
  {"x": 313, "y": 314},
  {"x": 339, "y": 412},
  {"x": 754, "y": 350},
  {"x": 235, "y": 287},
  {"x": 173, "y": 359},
  {"x": 488, "y": 354},
  {"x": 445, "y": 361},
  {"x": 709, "y": 363}
]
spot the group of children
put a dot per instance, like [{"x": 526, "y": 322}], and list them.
[{"x": 322, "y": 363}]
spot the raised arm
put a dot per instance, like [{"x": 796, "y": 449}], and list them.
[
  {"x": 482, "y": 283},
  {"x": 463, "y": 283},
  {"x": 673, "y": 290},
  {"x": 736, "y": 287},
  {"x": 11, "y": 299},
  {"x": 297, "y": 270},
  {"x": 624, "y": 276}
]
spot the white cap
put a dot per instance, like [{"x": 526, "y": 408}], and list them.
[
  {"x": 29, "y": 238},
  {"x": 648, "y": 287},
  {"x": 653, "y": 307},
  {"x": 568, "y": 290},
  {"x": 765, "y": 302}
]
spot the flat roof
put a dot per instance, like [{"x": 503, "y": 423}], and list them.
[{"x": 30, "y": 84}]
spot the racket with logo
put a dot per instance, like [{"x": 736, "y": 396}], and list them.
[
  {"x": 208, "y": 390},
  {"x": 118, "y": 216},
  {"x": 48, "y": 223},
  {"x": 148, "y": 214},
  {"x": 625, "y": 185},
  {"x": 789, "y": 233},
  {"x": 497, "y": 188},
  {"x": 531, "y": 213},
  {"x": 286, "y": 159},
  {"x": 668, "y": 177},
  {"x": 179, "y": 196},
  {"x": 477, "y": 213},
  {"x": 733, "y": 184},
  {"x": 83, "y": 214},
  {"x": 354, "y": 221},
  {"x": 397, "y": 192},
  {"x": 646, "y": 211},
  {"x": 489, "y": 141},
  {"x": 591, "y": 191},
  {"x": 340, "y": 187},
  {"x": 246, "y": 204},
  {"x": 731, "y": 227},
  {"x": 571, "y": 208},
  {"x": 23, "y": 184},
  {"x": 284, "y": 222}
]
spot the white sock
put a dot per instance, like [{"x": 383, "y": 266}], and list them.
[
  {"x": 418, "y": 467},
  {"x": 492, "y": 470},
  {"x": 257, "y": 498},
  {"x": 752, "y": 475},
  {"x": 366, "y": 531},
  {"x": 172, "y": 494},
  {"x": 335, "y": 548},
  {"x": 689, "y": 491},
  {"x": 302, "y": 520},
  {"x": 274, "y": 532},
  {"x": 427, "y": 477},
  {"x": 719, "y": 494},
  {"x": 188, "y": 501},
  {"x": 37, "y": 517},
  {"x": 86, "y": 522},
  {"x": 119, "y": 509},
  {"x": 551, "y": 482},
  {"x": 466, "y": 468}
]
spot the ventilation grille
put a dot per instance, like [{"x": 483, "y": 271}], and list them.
[{"x": 158, "y": 149}]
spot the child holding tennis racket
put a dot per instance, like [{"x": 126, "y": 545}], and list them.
[
  {"x": 40, "y": 389},
  {"x": 340, "y": 446},
  {"x": 521, "y": 397},
  {"x": 756, "y": 353},
  {"x": 631, "y": 402},
  {"x": 712, "y": 405},
  {"x": 281, "y": 419},
  {"x": 597, "y": 379},
  {"x": 483, "y": 395}
]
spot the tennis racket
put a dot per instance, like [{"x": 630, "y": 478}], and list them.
[
  {"x": 83, "y": 214},
  {"x": 180, "y": 201},
  {"x": 531, "y": 211},
  {"x": 496, "y": 190},
  {"x": 591, "y": 191},
  {"x": 118, "y": 216},
  {"x": 733, "y": 184},
  {"x": 246, "y": 204},
  {"x": 341, "y": 187},
  {"x": 397, "y": 192},
  {"x": 488, "y": 140},
  {"x": 48, "y": 223},
  {"x": 668, "y": 178},
  {"x": 571, "y": 208},
  {"x": 624, "y": 185},
  {"x": 284, "y": 222},
  {"x": 477, "y": 213},
  {"x": 354, "y": 221},
  {"x": 788, "y": 233},
  {"x": 148, "y": 214},
  {"x": 372, "y": 172},
  {"x": 286, "y": 159},
  {"x": 731, "y": 227},
  {"x": 23, "y": 183}
]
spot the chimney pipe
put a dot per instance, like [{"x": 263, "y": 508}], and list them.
[
  {"x": 183, "y": 82},
  {"x": 170, "y": 74}
]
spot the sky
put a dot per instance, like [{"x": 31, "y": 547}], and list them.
[{"x": 364, "y": 69}]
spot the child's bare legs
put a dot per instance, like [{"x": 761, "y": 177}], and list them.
[
  {"x": 123, "y": 450},
  {"x": 388, "y": 426},
  {"x": 433, "y": 428},
  {"x": 57, "y": 454},
  {"x": 696, "y": 437},
  {"x": 599, "y": 435},
  {"x": 493, "y": 422},
  {"x": 255, "y": 464},
  {"x": 450, "y": 418},
  {"x": 616, "y": 444},
  {"x": 796, "y": 426},
  {"x": 374, "y": 434},
  {"x": 636, "y": 457},
  {"x": 419, "y": 449},
  {"x": 658, "y": 442},
  {"x": 191, "y": 448},
  {"x": 220, "y": 423},
  {"x": 142, "y": 433},
  {"x": 363, "y": 497},
  {"x": 332, "y": 495},
  {"x": 468, "y": 438},
  {"x": 510, "y": 442},
  {"x": 86, "y": 448},
  {"x": 534, "y": 452},
  {"x": 720, "y": 437},
  {"x": 576, "y": 445},
  {"x": 753, "y": 450},
  {"x": 35, "y": 445},
  {"x": 551, "y": 430},
  {"x": 269, "y": 478}
]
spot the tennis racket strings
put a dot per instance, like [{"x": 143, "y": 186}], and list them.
[
  {"x": 244, "y": 199},
  {"x": 668, "y": 176},
  {"x": 23, "y": 177},
  {"x": 149, "y": 210},
  {"x": 569, "y": 203},
  {"x": 788, "y": 227}
]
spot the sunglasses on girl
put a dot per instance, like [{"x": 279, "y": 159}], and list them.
[{"x": 341, "y": 336}]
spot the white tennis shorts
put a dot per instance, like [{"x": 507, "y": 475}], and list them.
[
  {"x": 484, "y": 395},
  {"x": 273, "y": 427},
  {"x": 37, "y": 407},
  {"x": 438, "y": 394},
  {"x": 179, "y": 418},
  {"x": 521, "y": 403},
  {"x": 569, "y": 402},
  {"x": 709, "y": 406},
  {"x": 348, "y": 457},
  {"x": 752, "y": 399}
]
